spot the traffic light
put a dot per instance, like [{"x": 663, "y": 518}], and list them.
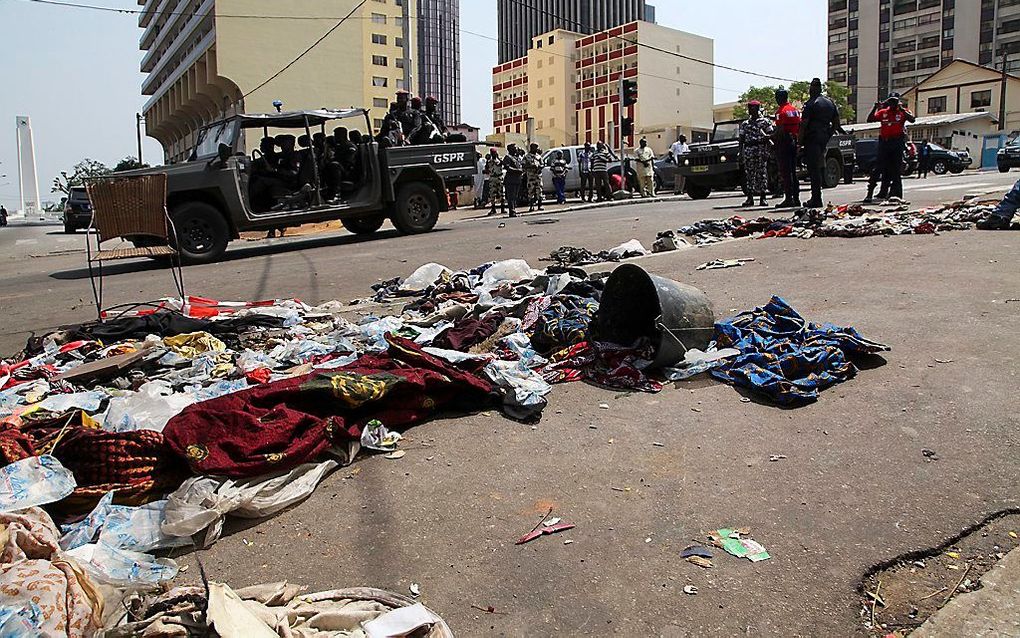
[
  {"x": 627, "y": 126},
  {"x": 630, "y": 93}
]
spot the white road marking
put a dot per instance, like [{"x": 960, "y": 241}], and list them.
[
  {"x": 25, "y": 242},
  {"x": 948, "y": 187}
]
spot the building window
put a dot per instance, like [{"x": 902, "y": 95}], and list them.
[
  {"x": 378, "y": 81},
  {"x": 980, "y": 99},
  {"x": 399, "y": 63},
  {"x": 378, "y": 38},
  {"x": 380, "y": 103},
  {"x": 378, "y": 123},
  {"x": 399, "y": 42},
  {"x": 552, "y": 39},
  {"x": 380, "y": 60},
  {"x": 937, "y": 104},
  {"x": 400, "y": 85},
  {"x": 378, "y": 18}
]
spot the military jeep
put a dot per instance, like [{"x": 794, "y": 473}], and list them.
[{"x": 210, "y": 195}]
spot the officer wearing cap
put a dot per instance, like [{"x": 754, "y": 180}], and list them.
[{"x": 892, "y": 118}]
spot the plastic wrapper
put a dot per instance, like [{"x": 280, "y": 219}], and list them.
[
  {"x": 202, "y": 502},
  {"x": 123, "y": 567},
  {"x": 150, "y": 408},
  {"x": 34, "y": 481}
]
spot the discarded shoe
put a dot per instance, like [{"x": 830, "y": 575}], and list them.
[{"x": 993, "y": 222}]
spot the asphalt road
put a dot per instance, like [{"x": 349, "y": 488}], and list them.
[{"x": 853, "y": 491}]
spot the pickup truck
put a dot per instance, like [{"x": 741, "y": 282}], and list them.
[
  {"x": 209, "y": 196},
  {"x": 717, "y": 165}
]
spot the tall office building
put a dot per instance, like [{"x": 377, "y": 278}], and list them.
[
  {"x": 879, "y": 46},
  {"x": 521, "y": 20},
  {"x": 439, "y": 55},
  {"x": 205, "y": 59}
]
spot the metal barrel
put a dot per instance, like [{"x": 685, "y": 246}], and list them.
[{"x": 674, "y": 316}]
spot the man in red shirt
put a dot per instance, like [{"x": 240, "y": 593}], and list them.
[
  {"x": 892, "y": 118},
  {"x": 786, "y": 132}
]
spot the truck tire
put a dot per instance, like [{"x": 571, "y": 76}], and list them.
[
  {"x": 69, "y": 227},
  {"x": 1003, "y": 169},
  {"x": 956, "y": 170},
  {"x": 202, "y": 233},
  {"x": 940, "y": 167},
  {"x": 833, "y": 172},
  {"x": 363, "y": 225},
  {"x": 697, "y": 191},
  {"x": 416, "y": 209}
]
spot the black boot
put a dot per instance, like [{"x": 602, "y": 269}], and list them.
[
  {"x": 762, "y": 201},
  {"x": 993, "y": 222},
  {"x": 748, "y": 202}
]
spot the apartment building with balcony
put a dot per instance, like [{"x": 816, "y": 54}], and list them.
[
  {"x": 206, "y": 59},
  {"x": 567, "y": 87},
  {"x": 880, "y": 46}
]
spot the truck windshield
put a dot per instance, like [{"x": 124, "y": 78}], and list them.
[
  {"x": 726, "y": 132},
  {"x": 209, "y": 139}
]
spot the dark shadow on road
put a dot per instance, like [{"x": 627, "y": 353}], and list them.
[{"x": 246, "y": 252}]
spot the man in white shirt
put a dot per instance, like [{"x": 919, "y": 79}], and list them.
[{"x": 678, "y": 148}]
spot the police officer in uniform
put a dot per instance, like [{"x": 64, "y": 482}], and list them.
[
  {"x": 786, "y": 134},
  {"x": 513, "y": 176},
  {"x": 892, "y": 140},
  {"x": 820, "y": 121},
  {"x": 533, "y": 170},
  {"x": 497, "y": 192}
]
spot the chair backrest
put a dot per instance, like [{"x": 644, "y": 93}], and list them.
[{"x": 129, "y": 206}]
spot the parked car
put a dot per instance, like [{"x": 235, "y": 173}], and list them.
[
  {"x": 210, "y": 196},
  {"x": 77, "y": 210},
  {"x": 573, "y": 170},
  {"x": 1008, "y": 156},
  {"x": 867, "y": 155},
  {"x": 942, "y": 160}
]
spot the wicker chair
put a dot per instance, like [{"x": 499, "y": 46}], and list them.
[{"x": 129, "y": 207}]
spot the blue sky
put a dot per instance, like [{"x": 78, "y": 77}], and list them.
[{"x": 75, "y": 71}]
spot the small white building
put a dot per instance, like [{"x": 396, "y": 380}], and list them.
[{"x": 953, "y": 130}]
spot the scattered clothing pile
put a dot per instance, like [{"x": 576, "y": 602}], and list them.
[
  {"x": 785, "y": 358},
  {"x": 144, "y": 432},
  {"x": 850, "y": 220},
  {"x": 573, "y": 256}
]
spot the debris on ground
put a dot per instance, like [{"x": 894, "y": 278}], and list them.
[
  {"x": 690, "y": 590},
  {"x": 849, "y": 220},
  {"x": 737, "y": 542},
  {"x": 719, "y": 264}
]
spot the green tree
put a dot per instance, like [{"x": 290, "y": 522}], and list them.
[
  {"x": 82, "y": 170},
  {"x": 129, "y": 163},
  {"x": 837, "y": 92}
]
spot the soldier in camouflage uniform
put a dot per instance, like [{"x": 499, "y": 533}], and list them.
[
  {"x": 533, "y": 171},
  {"x": 494, "y": 169}
]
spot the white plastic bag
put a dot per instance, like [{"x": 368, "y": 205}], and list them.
[
  {"x": 201, "y": 502},
  {"x": 424, "y": 277},
  {"x": 150, "y": 408},
  {"x": 632, "y": 248},
  {"x": 34, "y": 481},
  {"x": 123, "y": 567},
  {"x": 509, "y": 270}
]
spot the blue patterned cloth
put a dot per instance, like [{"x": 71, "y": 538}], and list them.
[{"x": 786, "y": 358}]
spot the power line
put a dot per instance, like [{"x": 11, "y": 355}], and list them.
[
  {"x": 77, "y": 5},
  {"x": 306, "y": 51}
]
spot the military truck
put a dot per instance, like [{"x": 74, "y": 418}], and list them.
[
  {"x": 209, "y": 196},
  {"x": 717, "y": 165}
]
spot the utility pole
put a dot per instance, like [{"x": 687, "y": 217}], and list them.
[
  {"x": 619, "y": 127},
  {"x": 138, "y": 134},
  {"x": 1002, "y": 94}
]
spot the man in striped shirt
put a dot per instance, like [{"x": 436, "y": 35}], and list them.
[{"x": 600, "y": 169}]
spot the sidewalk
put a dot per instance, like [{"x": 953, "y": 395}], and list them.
[
  {"x": 556, "y": 209},
  {"x": 993, "y": 610}
]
